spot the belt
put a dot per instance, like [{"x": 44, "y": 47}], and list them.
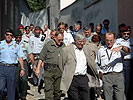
[
  {"x": 113, "y": 73},
  {"x": 8, "y": 65},
  {"x": 127, "y": 59},
  {"x": 79, "y": 75},
  {"x": 35, "y": 54}
]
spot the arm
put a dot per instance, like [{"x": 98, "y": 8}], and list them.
[
  {"x": 31, "y": 56},
  {"x": 98, "y": 64},
  {"x": 123, "y": 48},
  {"x": 41, "y": 59},
  {"x": 38, "y": 67},
  {"x": 22, "y": 66}
]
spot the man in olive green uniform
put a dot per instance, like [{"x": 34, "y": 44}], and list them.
[
  {"x": 21, "y": 82},
  {"x": 52, "y": 74}
]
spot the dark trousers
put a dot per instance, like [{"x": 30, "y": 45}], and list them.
[
  {"x": 7, "y": 81},
  {"x": 21, "y": 82},
  {"x": 79, "y": 89}
]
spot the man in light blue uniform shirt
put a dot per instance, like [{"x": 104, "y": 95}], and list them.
[{"x": 10, "y": 52}]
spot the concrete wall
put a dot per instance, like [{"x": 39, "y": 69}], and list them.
[
  {"x": 96, "y": 13},
  {"x": 10, "y": 14},
  {"x": 23, "y": 11},
  {"x": 37, "y": 18},
  {"x": 9, "y": 10},
  {"x": 53, "y": 10},
  {"x": 125, "y": 14}
]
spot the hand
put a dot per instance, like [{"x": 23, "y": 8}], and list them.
[
  {"x": 100, "y": 75},
  {"x": 42, "y": 65},
  {"x": 22, "y": 73},
  {"x": 117, "y": 49},
  {"x": 37, "y": 72}
]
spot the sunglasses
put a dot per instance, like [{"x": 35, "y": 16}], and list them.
[
  {"x": 126, "y": 33},
  {"x": 9, "y": 35}
]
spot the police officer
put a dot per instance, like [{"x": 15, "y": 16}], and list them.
[
  {"x": 36, "y": 43},
  {"x": 21, "y": 82},
  {"x": 109, "y": 61},
  {"x": 126, "y": 40},
  {"x": 10, "y": 52},
  {"x": 52, "y": 74}
]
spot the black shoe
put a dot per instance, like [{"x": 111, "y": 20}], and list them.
[{"x": 39, "y": 89}]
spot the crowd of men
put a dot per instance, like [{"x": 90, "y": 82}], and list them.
[{"x": 73, "y": 62}]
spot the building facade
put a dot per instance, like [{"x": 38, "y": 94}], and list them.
[{"x": 10, "y": 14}]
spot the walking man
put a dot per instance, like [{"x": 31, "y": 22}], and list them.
[
  {"x": 75, "y": 62},
  {"x": 109, "y": 60},
  {"x": 52, "y": 74},
  {"x": 10, "y": 52}
]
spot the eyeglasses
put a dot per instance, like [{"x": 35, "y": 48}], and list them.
[
  {"x": 126, "y": 33},
  {"x": 60, "y": 40},
  {"x": 9, "y": 35}
]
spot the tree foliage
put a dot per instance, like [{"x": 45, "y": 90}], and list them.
[{"x": 37, "y": 5}]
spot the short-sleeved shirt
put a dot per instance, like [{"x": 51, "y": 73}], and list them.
[
  {"x": 36, "y": 43},
  {"x": 10, "y": 54},
  {"x": 109, "y": 61},
  {"x": 50, "y": 53},
  {"x": 68, "y": 39},
  {"x": 26, "y": 49}
]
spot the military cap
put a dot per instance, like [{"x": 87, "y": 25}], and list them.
[
  {"x": 20, "y": 27},
  {"x": 37, "y": 28},
  {"x": 17, "y": 32},
  {"x": 27, "y": 27},
  {"x": 124, "y": 29},
  {"x": 9, "y": 30}
]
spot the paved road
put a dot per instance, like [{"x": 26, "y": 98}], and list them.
[{"x": 33, "y": 93}]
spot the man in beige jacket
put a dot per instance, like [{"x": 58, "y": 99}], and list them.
[{"x": 75, "y": 62}]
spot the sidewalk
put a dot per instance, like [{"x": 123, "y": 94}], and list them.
[{"x": 32, "y": 93}]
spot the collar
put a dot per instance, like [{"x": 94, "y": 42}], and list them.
[
  {"x": 75, "y": 48},
  {"x": 12, "y": 42}
]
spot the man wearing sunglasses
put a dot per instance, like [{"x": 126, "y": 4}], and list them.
[
  {"x": 21, "y": 82},
  {"x": 125, "y": 40},
  {"x": 52, "y": 74},
  {"x": 10, "y": 53}
]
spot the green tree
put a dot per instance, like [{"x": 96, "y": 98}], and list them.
[{"x": 37, "y": 5}]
